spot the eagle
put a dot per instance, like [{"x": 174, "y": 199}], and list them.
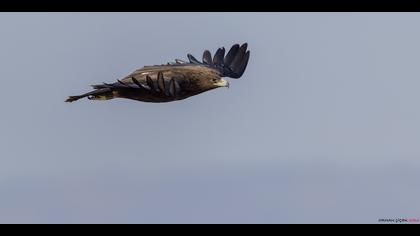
[{"x": 175, "y": 80}]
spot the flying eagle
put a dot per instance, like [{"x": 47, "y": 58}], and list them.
[{"x": 175, "y": 81}]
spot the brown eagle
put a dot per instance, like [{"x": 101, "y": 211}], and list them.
[{"x": 175, "y": 81}]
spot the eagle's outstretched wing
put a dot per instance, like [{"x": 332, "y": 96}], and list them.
[{"x": 232, "y": 65}]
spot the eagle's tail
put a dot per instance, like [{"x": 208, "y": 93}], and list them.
[{"x": 99, "y": 94}]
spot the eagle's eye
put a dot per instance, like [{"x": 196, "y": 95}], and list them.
[{"x": 215, "y": 80}]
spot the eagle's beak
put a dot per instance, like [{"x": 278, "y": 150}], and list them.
[{"x": 224, "y": 83}]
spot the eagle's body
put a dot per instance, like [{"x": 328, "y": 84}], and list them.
[
  {"x": 175, "y": 81},
  {"x": 186, "y": 83}
]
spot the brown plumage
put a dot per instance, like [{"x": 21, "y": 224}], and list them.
[{"x": 175, "y": 81}]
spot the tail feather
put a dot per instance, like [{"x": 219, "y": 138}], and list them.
[
  {"x": 74, "y": 98},
  {"x": 99, "y": 94}
]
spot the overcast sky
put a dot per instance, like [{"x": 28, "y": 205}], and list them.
[{"x": 323, "y": 127}]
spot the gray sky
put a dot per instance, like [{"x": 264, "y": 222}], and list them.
[{"x": 322, "y": 128}]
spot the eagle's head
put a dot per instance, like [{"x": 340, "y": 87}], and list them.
[
  {"x": 220, "y": 82},
  {"x": 203, "y": 84},
  {"x": 212, "y": 83}
]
